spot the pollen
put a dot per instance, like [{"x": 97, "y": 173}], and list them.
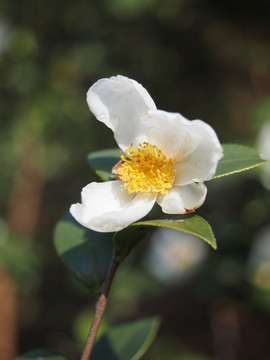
[{"x": 146, "y": 169}]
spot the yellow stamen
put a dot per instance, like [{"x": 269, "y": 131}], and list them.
[{"x": 146, "y": 169}]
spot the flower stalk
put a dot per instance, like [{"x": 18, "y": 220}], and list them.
[{"x": 100, "y": 308}]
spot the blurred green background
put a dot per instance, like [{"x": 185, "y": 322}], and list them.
[{"x": 204, "y": 59}]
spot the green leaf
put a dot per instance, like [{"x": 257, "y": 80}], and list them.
[
  {"x": 191, "y": 224},
  {"x": 103, "y": 161},
  {"x": 126, "y": 341},
  {"x": 42, "y": 354},
  {"x": 85, "y": 252},
  {"x": 126, "y": 239},
  {"x": 238, "y": 158}
]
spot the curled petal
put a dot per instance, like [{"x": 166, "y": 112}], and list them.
[
  {"x": 119, "y": 103},
  {"x": 170, "y": 132},
  {"x": 201, "y": 164},
  {"x": 183, "y": 199},
  {"x": 108, "y": 207}
]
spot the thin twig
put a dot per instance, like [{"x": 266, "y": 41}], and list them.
[{"x": 100, "y": 308}]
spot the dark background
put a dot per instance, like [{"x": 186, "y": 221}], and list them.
[{"x": 204, "y": 59}]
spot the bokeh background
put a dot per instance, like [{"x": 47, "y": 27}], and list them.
[{"x": 205, "y": 59}]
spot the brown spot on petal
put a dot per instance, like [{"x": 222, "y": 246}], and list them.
[{"x": 190, "y": 210}]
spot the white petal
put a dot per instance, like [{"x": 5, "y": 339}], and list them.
[
  {"x": 183, "y": 199},
  {"x": 108, "y": 207},
  {"x": 201, "y": 164},
  {"x": 170, "y": 132},
  {"x": 119, "y": 103}
]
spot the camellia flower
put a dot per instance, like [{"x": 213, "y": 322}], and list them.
[{"x": 167, "y": 158}]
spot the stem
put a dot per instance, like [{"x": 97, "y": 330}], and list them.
[{"x": 100, "y": 308}]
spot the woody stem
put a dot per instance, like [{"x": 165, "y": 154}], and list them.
[{"x": 100, "y": 308}]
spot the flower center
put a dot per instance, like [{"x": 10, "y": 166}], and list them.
[{"x": 146, "y": 169}]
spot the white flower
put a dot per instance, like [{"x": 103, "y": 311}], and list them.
[
  {"x": 174, "y": 256},
  {"x": 167, "y": 158}
]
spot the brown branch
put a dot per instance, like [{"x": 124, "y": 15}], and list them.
[
  {"x": 8, "y": 316},
  {"x": 100, "y": 308}
]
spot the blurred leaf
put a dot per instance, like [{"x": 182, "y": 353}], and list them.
[
  {"x": 22, "y": 260},
  {"x": 261, "y": 113},
  {"x": 89, "y": 58},
  {"x": 23, "y": 45},
  {"x": 122, "y": 9},
  {"x": 126, "y": 342},
  {"x": 138, "y": 282},
  {"x": 103, "y": 161},
  {"x": 126, "y": 239},
  {"x": 43, "y": 354},
  {"x": 192, "y": 224},
  {"x": 238, "y": 158},
  {"x": 261, "y": 297},
  {"x": 85, "y": 252},
  {"x": 25, "y": 77}
]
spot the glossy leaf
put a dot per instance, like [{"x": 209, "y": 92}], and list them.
[
  {"x": 192, "y": 224},
  {"x": 85, "y": 252},
  {"x": 238, "y": 158},
  {"x": 103, "y": 161},
  {"x": 126, "y": 341},
  {"x": 126, "y": 239},
  {"x": 42, "y": 354}
]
